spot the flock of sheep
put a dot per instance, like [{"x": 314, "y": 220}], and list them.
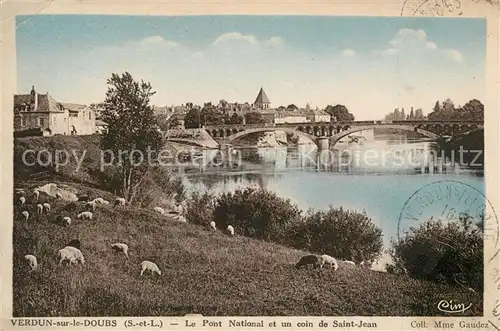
[{"x": 71, "y": 253}]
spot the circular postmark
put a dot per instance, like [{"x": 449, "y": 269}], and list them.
[
  {"x": 449, "y": 200},
  {"x": 431, "y": 8}
]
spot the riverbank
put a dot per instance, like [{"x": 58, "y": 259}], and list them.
[{"x": 245, "y": 277}]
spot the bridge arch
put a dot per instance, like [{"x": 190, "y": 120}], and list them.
[
  {"x": 335, "y": 138},
  {"x": 240, "y": 134}
]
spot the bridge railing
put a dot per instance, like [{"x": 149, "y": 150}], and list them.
[{"x": 339, "y": 123}]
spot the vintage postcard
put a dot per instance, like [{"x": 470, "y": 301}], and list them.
[{"x": 250, "y": 166}]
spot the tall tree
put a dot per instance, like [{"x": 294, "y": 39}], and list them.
[
  {"x": 340, "y": 112},
  {"x": 132, "y": 132},
  {"x": 254, "y": 118},
  {"x": 292, "y": 107},
  {"x": 437, "y": 107}
]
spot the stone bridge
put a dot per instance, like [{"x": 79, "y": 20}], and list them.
[{"x": 325, "y": 134}]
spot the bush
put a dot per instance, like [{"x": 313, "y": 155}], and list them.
[
  {"x": 340, "y": 233},
  {"x": 200, "y": 208},
  {"x": 256, "y": 213},
  {"x": 443, "y": 251}
]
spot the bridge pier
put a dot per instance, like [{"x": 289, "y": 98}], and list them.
[{"x": 323, "y": 143}]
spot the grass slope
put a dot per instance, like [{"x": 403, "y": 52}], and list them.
[{"x": 203, "y": 272}]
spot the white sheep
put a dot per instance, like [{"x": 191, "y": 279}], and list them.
[
  {"x": 32, "y": 262},
  {"x": 347, "y": 262},
  {"x": 91, "y": 205},
  {"x": 230, "y": 229},
  {"x": 22, "y": 200},
  {"x": 120, "y": 247},
  {"x": 39, "y": 208},
  {"x": 46, "y": 207},
  {"x": 26, "y": 214},
  {"x": 86, "y": 215},
  {"x": 213, "y": 226},
  {"x": 36, "y": 193},
  {"x": 327, "y": 259},
  {"x": 98, "y": 200},
  {"x": 58, "y": 195},
  {"x": 152, "y": 267},
  {"x": 120, "y": 201},
  {"x": 66, "y": 255},
  {"x": 66, "y": 220},
  {"x": 76, "y": 253},
  {"x": 180, "y": 218},
  {"x": 159, "y": 210}
]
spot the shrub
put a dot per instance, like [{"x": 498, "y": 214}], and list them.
[
  {"x": 443, "y": 251},
  {"x": 200, "y": 208},
  {"x": 256, "y": 213},
  {"x": 340, "y": 233}
]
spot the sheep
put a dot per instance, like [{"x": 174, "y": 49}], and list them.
[
  {"x": 70, "y": 206},
  {"x": 22, "y": 200},
  {"x": 83, "y": 198},
  {"x": 66, "y": 221},
  {"x": 39, "y": 209},
  {"x": 148, "y": 265},
  {"x": 105, "y": 202},
  {"x": 347, "y": 262},
  {"x": 66, "y": 255},
  {"x": 120, "y": 247},
  {"x": 76, "y": 253},
  {"x": 36, "y": 193},
  {"x": 120, "y": 201},
  {"x": 46, "y": 207},
  {"x": 26, "y": 214},
  {"x": 327, "y": 259},
  {"x": 86, "y": 215},
  {"x": 308, "y": 259},
  {"x": 230, "y": 229},
  {"x": 58, "y": 195},
  {"x": 212, "y": 225},
  {"x": 180, "y": 218},
  {"x": 98, "y": 200},
  {"x": 32, "y": 262},
  {"x": 75, "y": 243},
  {"x": 91, "y": 205},
  {"x": 159, "y": 210}
]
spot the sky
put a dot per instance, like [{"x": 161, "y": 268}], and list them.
[{"x": 369, "y": 64}]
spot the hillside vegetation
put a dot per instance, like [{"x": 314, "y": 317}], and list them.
[{"x": 203, "y": 271}]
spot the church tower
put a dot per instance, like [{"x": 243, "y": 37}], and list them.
[{"x": 262, "y": 101}]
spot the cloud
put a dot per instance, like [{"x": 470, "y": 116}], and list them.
[
  {"x": 454, "y": 55},
  {"x": 274, "y": 42},
  {"x": 159, "y": 40},
  {"x": 414, "y": 41},
  {"x": 348, "y": 52},
  {"x": 235, "y": 36}
]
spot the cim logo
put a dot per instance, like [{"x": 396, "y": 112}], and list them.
[{"x": 451, "y": 308}]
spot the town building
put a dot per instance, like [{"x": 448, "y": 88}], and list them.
[
  {"x": 41, "y": 114},
  {"x": 262, "y": 101}
]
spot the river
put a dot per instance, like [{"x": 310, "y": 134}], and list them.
[{"x": 375, "y": 177}]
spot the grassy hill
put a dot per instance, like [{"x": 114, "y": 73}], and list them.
[{"x": 203, "y": 272}]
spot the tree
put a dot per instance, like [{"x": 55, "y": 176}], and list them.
[
  {"x": 472, "y": 110},
  {"x": 235, "y": 119},
  {"x": 437, "y": 107},
  {"x": 193, "y": 119},
  {"x": 254, "y": 118},
  {"x": 340, "y": 112},
  {"x": 292, "y": 107},
  {"x": 281, "y": 108},
  {"x": 132, "y": 132},
  {"x": 419, "y": 114},
  {"x": 412, "y": 114}
]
